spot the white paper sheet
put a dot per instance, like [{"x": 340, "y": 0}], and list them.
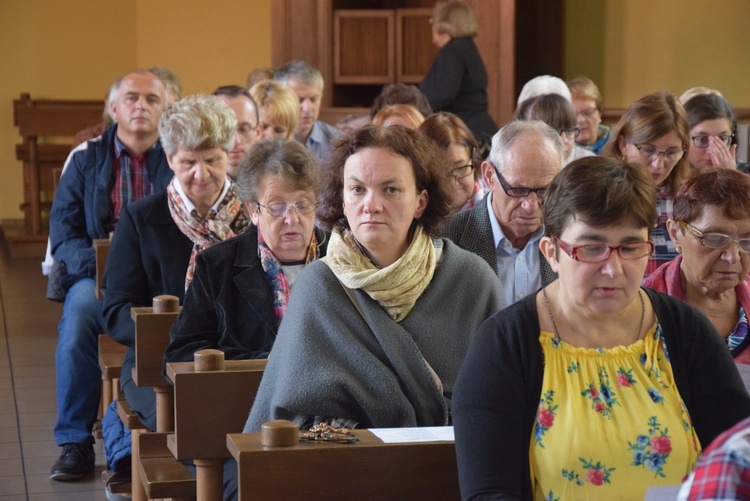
[{"x": 409, "y": 435}]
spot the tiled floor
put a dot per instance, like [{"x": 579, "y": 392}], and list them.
[{"x": 28, "y": 335}]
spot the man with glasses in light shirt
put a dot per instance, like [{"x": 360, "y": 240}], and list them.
[
  {"x": 248, "y": 129},
  {"x": 506, "y": 226}
]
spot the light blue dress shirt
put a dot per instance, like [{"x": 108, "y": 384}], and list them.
[{"x": 519, "y": 269}]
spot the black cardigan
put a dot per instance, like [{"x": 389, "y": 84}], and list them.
[{"x": 497, "y": 394}]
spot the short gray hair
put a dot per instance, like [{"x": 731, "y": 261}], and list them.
[
  {"x": 287, "y": 159},
  {"x": 505, "y": 137},
  {"x": 300, "y": 71},
  {"x": 197, "y": 122}
]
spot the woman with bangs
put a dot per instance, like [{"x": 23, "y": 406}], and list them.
[
  {"x": 278, "y": 109},
  {"x": 654, "y": 132},
  {"x": 593, "y": 388},
  {"x": 452, "y": 135}
]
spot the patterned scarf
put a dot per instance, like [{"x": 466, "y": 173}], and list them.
[
  {"x": 231, "y": 219},
  {"x": 396, "y": 287},
  {"x": 275, "y": 273}
]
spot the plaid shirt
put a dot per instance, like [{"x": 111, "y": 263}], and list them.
[
  {"x": 723, "y": 470},
  {"x": 130, "y": 180}
]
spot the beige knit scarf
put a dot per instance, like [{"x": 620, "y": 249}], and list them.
[{"x": 396, "y": 287}]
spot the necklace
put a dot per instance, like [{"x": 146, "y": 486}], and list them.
[{"x": 554, "y": 325}]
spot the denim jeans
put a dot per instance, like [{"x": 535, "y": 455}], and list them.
[{"x": 79, "y": 379}]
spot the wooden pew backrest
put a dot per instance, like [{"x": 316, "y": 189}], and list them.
[{"x": 367, "y": 469}]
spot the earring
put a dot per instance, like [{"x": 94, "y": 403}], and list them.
[{"x": 678, "y": 248}]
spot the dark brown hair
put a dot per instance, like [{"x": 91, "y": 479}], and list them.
[
  {"x": 430, "y": 165},
  {"x": 600, "y": 191},
  {"x": 445, "y": 129},
  {"x": 648, "y": 119},
  {"x": 727, "y": 189}
]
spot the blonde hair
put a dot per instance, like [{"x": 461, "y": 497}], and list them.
[
  {"x": 585, "y": 88},
  {"x": 455, "y": 18},
  {"x": 697, "y": 91},
  {"x": 280, "y": 101}
]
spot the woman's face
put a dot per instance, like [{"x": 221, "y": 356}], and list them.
[
  {"x": 463, "y": 187},
  {"x": 709, "y": 270},
  {"x": 288, "y": 236},
  {"x": 201, "y": 173},
  {"x": 272, "y": 129},
  {"x": 602, "y": 288},
  {"x": 713, "y": 130},
  {"x": 659, "y": 156},
  {"x": 588, "y": 119},
  {"x": 381, "y": 201},
  {"x": 568, "y": 142}
]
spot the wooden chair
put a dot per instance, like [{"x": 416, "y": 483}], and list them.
[
  {"x": 212, "y": 397},
  {"x": 46, "y": 119},
  {"x": 325, "y": 470}
]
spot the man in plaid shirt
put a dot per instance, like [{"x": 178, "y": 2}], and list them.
[{"x": 723, "y": 470}]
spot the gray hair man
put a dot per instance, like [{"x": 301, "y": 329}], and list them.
[
  {"x": 307, "y": 82},
  {"x": 506, "y": 226}
]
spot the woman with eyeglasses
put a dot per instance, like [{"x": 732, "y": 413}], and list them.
[
  {"x": 587, "y": 102},
  {"x": 711, "y": 228},
  {"x": 713, "y": 125},
  {"x": 242, "y": 286},
  {"x": 653, "y": 132},
  {"x": 452, "y": 135},
  {"x": 557, "y": 112},
  {"x": 592, "y": 388},
  {"x": 375, "y": 332}
]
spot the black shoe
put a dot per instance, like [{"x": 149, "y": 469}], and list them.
[{"x": 75, "y": 461}]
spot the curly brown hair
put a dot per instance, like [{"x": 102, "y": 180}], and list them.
[{"x": 430, "y": 165}]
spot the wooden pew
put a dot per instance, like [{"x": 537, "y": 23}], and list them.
[
  {"x": 325, "y": 470},
  {"x": 212, "y": 397},
  {"x": 152, "y": 325},
  {"x": 49, "y": 120}
]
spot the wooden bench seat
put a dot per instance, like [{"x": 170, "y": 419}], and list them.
[{"x": 161, "y": 474}]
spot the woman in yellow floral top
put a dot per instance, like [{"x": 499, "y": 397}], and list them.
[{"x": 593, "y": 388}]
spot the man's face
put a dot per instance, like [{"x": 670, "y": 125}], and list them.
[
  {"x": 140, "y": 103},
  {"x": 247, "y": 131},
  {"x": 531, "y": 162},
  {"x": 309, "y": 106}
]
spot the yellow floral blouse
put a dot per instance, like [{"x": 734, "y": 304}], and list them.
[{"x": 611, "y": 422}]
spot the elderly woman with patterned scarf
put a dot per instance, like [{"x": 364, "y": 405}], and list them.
[
  {"x": 242, "y": 286},
  {"x": 376, "y": 331},
  {"x": 157, "y": 240}
]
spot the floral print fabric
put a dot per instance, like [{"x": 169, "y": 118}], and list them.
[{"x": 611, "y": 422}]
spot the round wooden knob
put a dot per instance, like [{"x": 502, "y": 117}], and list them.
[
  {"x": 279, "y": 433},
  {"x": 209, "y": 360},
  {"x": 166, "y": 304}
]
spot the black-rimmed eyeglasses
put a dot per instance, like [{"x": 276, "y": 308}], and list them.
[
  {"x": 701, "y": 141},
  {"x": 518, "y": 192}
]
